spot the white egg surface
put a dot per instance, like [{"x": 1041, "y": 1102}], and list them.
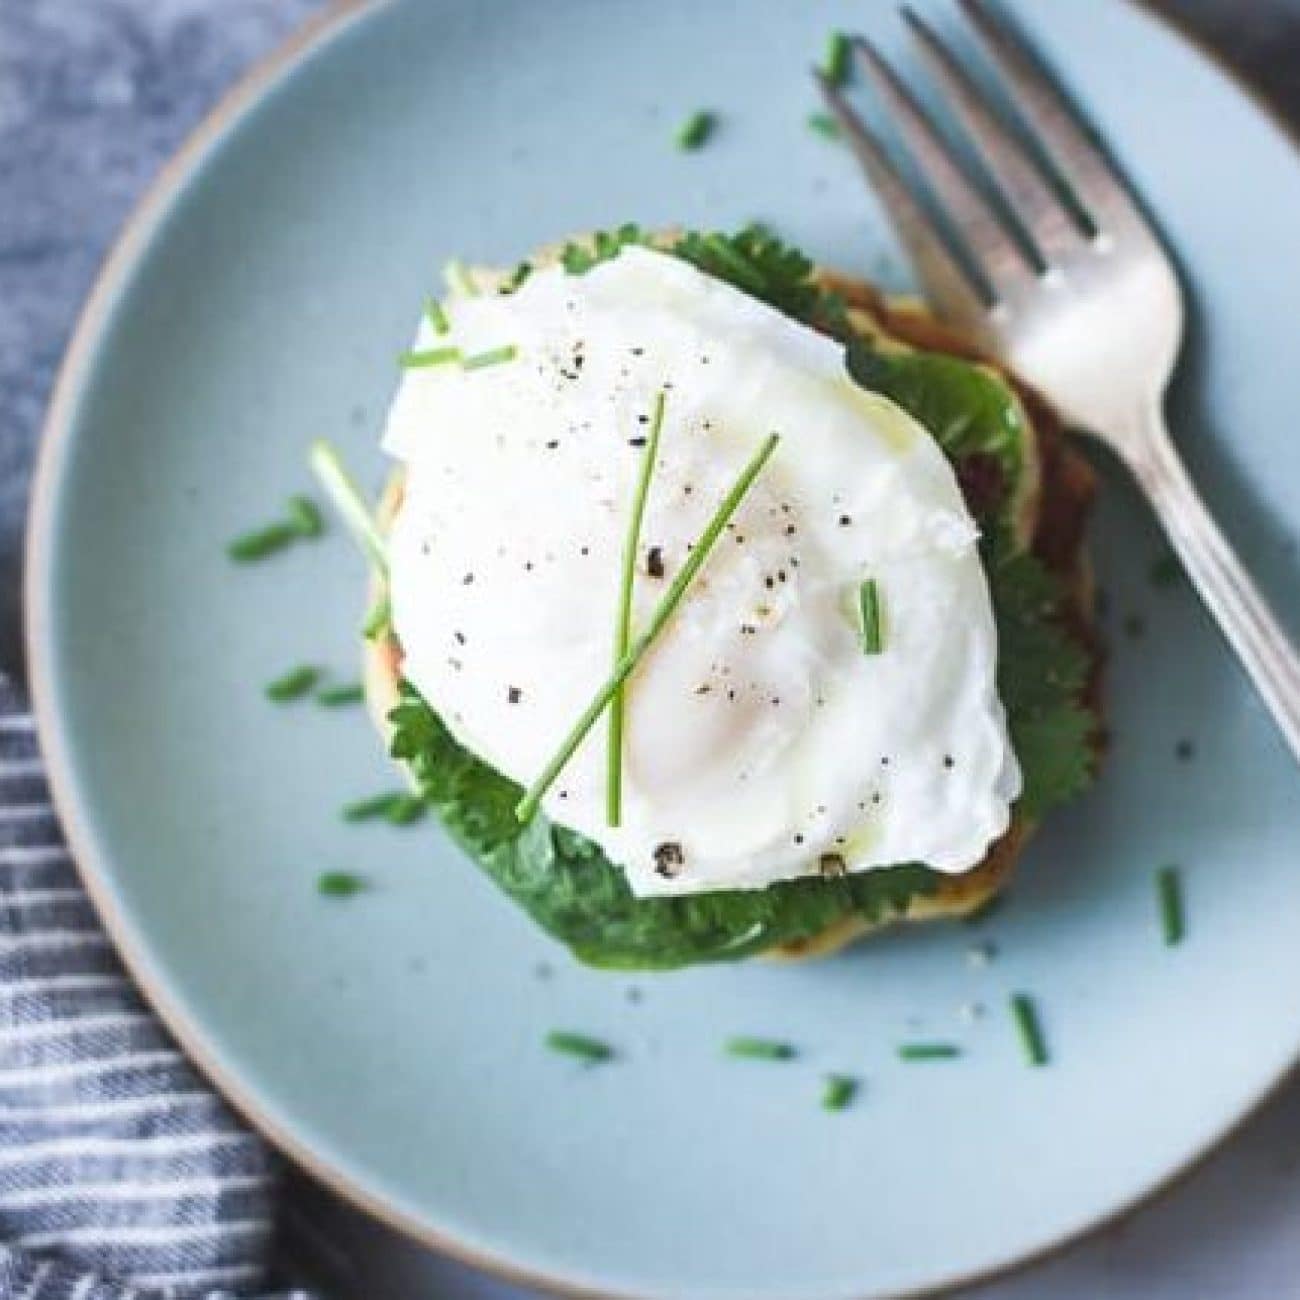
[{"x": 762, "y": 741}]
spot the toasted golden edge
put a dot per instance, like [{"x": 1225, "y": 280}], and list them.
[{"x": 955, "y": 896}]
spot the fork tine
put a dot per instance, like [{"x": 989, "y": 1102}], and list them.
[
  {"x": 1042, "y": 213},
  {"x": 999, "y": 258},
  {"x": 947, "y": 286},
  {"x": 1046, "y": 112}
]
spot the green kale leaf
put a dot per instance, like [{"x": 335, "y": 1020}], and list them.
[{"x": 568, "y": 886}]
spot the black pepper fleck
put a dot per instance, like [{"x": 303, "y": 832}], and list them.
[
  {"x": 514, "y": 694},
  {"x": 669, "y": 859},
  {"x": 845, "y": 521},
  {"x": 832, "y": 865},
  {"x": 654, "y": 562}
]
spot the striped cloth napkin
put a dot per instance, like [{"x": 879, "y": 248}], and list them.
[{"x": 123, "y": 1176}]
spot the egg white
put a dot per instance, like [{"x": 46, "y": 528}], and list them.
[{"x": 760, "y": 739}]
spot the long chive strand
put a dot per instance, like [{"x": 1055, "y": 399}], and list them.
[
  {"x": 623, "y": 618},
  {"x": 349, "y": 502},
  {"x": 664, "y": 611}
]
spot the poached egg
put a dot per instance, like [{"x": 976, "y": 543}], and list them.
[{"x": 761, "y": 743}]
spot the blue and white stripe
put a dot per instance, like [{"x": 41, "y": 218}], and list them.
[{"x": 123, "y": 1176}]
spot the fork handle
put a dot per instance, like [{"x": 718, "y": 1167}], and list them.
[{"x": 1265, "y": 650}]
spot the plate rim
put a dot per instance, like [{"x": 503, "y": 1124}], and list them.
[{"x": 88, "y": 335}]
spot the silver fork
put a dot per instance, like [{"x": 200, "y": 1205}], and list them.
[{"x": 1090, "y": 312}]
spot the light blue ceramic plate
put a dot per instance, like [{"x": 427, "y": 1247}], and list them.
[{"x": 393, "y": 1042}]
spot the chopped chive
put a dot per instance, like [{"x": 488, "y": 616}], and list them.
[
  {"x": 873, "y": 642},
  {"x": 493, "y": 358},
  {"x": 436, "y": 315},
  {"x": 339, "y": 884},
  {"x": 623, "y": 618},
  {"x": 1173, "y": 920},
  {"x": 1030, "y": 1028},
  {"x": 349, "y": 502},
  {"x": 1166, "y": 571},
  {"x": 406, "y": 810},
  {"x": 304, "y": 515},
  {"x": 296, "y": 683},
  {"x": 658, "y": 620},
  {"x": 459, "y": 280},
  {"x": 585, "y": 1048},
  {"x": 333, "y": 697},
  {"x": 838, "y": 1092},
  {"x": 928, "y": 1052},
  {"x": 423, "y": 360},
  {"x": 576, "y": 259},
  {"x": 366, "y": 809},
  {"x": 760, "y": 1049},
  {"x": 695, "y": 130},
  {"x": 824, "y": 125},
  {"x": 839, "y": 58},
  {"x": 379, "y": 619},
  {"x": 397, "y": 808},
  {"x": 262, "y": 542},
  {"x": 517, "y": 277}
]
